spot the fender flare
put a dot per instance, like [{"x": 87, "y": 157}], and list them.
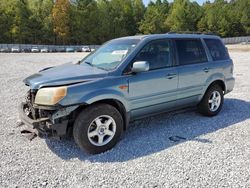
[
  {"x": 213, "y": 78},
  {"x": 107, "y": 94}
]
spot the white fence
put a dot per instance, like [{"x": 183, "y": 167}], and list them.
[
  {"x": 49, "y": 47},
  {"x": 236, "y": 40}
]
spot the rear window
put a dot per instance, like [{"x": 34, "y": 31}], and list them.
[
  {"x": 190, "y": 51},
  {"x": 217, "y": 49}
]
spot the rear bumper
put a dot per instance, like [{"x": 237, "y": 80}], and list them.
[
  {"x": 43, "y": 125},
  {"x": 229, "y": 84}
]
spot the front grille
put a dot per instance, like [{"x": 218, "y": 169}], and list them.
[{"x": 35, "y": 112}]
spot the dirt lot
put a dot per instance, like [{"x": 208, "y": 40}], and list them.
[{"x": 214, "y": 153}]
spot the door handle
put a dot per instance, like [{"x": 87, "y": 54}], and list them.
[
  {"x": 170, "y": 76},
  {"x": 206, "y": 69}
]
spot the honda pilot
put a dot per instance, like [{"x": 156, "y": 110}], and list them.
[{"x": 127, "y": 79}]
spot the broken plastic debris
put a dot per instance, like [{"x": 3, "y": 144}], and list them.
[{"x": 29, "y": 133}]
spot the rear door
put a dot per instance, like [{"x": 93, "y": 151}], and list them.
[
  {"x": 220, "y": 61},
  {"x": 193, "y": 69}
]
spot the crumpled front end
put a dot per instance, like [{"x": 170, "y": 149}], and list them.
[{"x": 46, "y": 120}]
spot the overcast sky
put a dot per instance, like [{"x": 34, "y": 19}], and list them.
[{"x": 199, "y": 1}]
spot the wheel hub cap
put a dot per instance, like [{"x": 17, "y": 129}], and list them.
[
  {"x": 214, "y": 101},
  {"x": 101, "y": 130}
]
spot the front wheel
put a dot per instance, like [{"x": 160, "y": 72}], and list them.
[
  {"x": 212, "y": 101},
  {"x": 98, "y": 128}
]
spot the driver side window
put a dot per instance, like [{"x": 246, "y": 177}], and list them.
[{"x": 157, "y": 54}]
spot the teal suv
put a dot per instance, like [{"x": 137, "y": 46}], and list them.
[{"x": 126, "y": 79}]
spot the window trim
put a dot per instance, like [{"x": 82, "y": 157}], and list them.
[
  {"x": 172, "y": 55},
  {"x": 177, "y": 53}
]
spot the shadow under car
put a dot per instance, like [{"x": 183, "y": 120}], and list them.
[{"x": 157, "y": 133}]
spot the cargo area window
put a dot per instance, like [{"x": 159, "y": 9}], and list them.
[
  {"x": 190, "y": 51},
  {"x": 216, "y": 49}
]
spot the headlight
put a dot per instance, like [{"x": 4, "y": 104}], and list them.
[{"x": 51, "y": 95}]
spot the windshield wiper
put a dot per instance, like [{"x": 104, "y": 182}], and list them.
[
  {"x": 95, "y": 66},
  {"x": 88, "y": 63}
]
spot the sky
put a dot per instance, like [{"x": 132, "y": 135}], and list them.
[{"x": 198, "y": 1}]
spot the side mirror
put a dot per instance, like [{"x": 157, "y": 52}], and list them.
[{"x": 140, "y": 66}]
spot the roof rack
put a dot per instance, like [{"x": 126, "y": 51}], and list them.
[{"x": 191, "y": 32}]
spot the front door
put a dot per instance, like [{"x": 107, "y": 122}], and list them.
[{"x": 155, "y": 90}]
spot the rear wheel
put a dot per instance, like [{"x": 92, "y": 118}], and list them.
[
  {"x": 98, "y": 128},
  {"x": 212, "y": 101}
]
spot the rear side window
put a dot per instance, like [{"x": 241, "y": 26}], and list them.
[
  {"x": 190, "y": 51},
  {"x": 217, "y": 49}
]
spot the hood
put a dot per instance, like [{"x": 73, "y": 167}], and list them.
[{"x": 65, "y": 74}]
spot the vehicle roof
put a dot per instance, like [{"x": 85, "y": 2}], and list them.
[{"x": 170, "y": 35}]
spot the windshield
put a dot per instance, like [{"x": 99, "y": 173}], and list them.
[{"x": 110, "y": 55}]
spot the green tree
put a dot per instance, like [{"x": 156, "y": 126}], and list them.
[
  {"x": 104, "y": 21},
  {"x": 96, "y": 21},
  {"x": 184, "y": 16},
  {"x": 41, "y": 21},
  {"x": 138, "y": 13},
  {"x": 118, "y": 18},
  {"x": 84, "y": 22},
  {"x": 222, "y": 18},
  {"x": 121, "y": 17},
  {"x": 5, "y": 22},
  {"x": 154, "y": 18},
  {"x": 61, "y": 20},
  {"x": 15, "y": 21},
  {"x": 243, "y": 9}
]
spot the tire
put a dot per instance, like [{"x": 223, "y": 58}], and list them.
[
  {"x": 98, "y": 128},
  {"x": 206, "y": 107}
]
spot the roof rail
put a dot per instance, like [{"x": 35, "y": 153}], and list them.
[{"x": 191, "y": 32}]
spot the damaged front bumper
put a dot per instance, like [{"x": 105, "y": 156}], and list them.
[{"x": 55, "y": 124}]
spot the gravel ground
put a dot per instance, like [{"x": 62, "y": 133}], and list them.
[
  {"x": 214, "y": 152},
  {"x": 239, "y": 47}
]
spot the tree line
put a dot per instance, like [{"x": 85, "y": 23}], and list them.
[{"x": 96, "y": 21}]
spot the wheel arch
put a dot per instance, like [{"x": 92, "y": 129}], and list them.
[
  {"x": 119, "y": 106},
  {"x": 113, "y": 102},
  {"x": 217, "y": 78},
  {"x": 219, "y": 82}
]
